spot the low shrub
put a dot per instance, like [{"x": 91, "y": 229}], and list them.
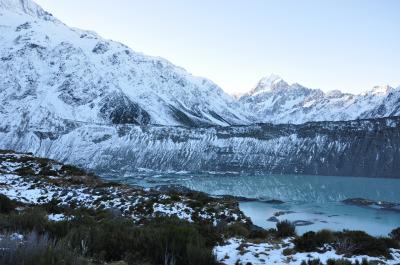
[
  {"x": 360, "y": 243},
  {"x": 390, "y": 242},
  {"x": 6, "y": 205},
  {"x": 198, "y": 199},
  {"x": 285, "y": 229},
  {"x": 160, "y": 241},
  {"x": 395, "y": 234},
  {"x": 348, "y": 262},
  {"x": 259, "y": 234},
  {"x": 73, "y": 170},
  {"x": 288, "y": 251},
  {"x": 348, "y": 243},
  {"x": 311, "y": 241},
  {"x": 337, "y": 262},
  {"x": 25, "y": 171},
  {"x": 312, "y": 262},
  {"x": 102, "y": 236},
  {"x": 48, "y": 171},
  {"x": 171, "y": 239},
  {"x": 53, "y": 206},
  {"x": 37, "y": 249},
  {"x": 236, "y": 229},
  {"x": 107, "y": 240},
  {"x": 32, "y": 219},
  {"x": 306, "y": 242}
]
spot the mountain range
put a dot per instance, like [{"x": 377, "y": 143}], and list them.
[
  {"x": 70, "y": 94},
  {"x": 274, "y": 100}
]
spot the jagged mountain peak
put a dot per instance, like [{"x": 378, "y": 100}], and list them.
[
  {"x": 270, "y": 79},
  {"x": 28, "y": 7},
  {"x": 274, "y": 100},
  {"x": 274, "y": 84},
  {"x": 334, "y": 93},
  {"x": 381, "y": 89},
  {"x": 269, "y": 83}
]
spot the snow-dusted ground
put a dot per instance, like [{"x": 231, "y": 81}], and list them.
[
  {"x": 58, "y": 217},
  {"x": 27, "y": 179},
  {"x": 12, "y": 236},
  {"x": 236, "y": 249}
]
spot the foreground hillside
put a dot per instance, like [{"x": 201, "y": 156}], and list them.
[
  {"x": 33, "y": 180},
  {"x": 51, "y": 214}
]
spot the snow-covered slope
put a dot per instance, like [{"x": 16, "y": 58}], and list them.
[
  {"x": 24, "y": 7},
  {"x": 274, "y": 100},
  {"x": 50, "y": 71}
]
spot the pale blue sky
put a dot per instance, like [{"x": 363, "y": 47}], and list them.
[{"x": 349, "y": 45}]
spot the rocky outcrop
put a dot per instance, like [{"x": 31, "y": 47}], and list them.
[{"x": 368, "y": 148}]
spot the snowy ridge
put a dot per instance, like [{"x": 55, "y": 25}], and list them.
[
  {"x": 23, "y": 7},
  {"x": 274, "y": 100}
]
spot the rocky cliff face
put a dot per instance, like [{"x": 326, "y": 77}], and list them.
[{"x": 354, "y": 148}]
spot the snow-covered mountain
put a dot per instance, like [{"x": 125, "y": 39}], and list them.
[
  {"x": 274, "y": 100},
  {"x": 49, "y": 71},
  {"x": 72, "y": 95}
]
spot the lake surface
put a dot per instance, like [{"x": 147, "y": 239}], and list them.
[{"x": 314, "y": 200}]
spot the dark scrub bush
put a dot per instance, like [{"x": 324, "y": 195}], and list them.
[
  {"x": 311, "y": 241},
  {"x": 395, "y": 234},
  {"x": 285, "y": 229},
  {"x": 360, "y": 243},
  {"x": 6, "y": 205},
  {"x": 37, "y": 249}
]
